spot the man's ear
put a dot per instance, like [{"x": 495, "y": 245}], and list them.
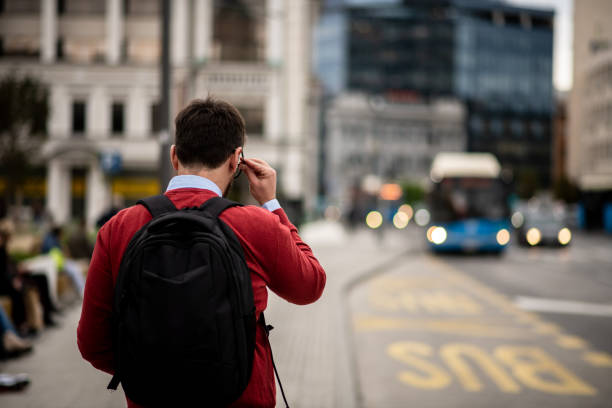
[
  {"x": 235, "y": 159},
  {"x": 173, "y": 157}
]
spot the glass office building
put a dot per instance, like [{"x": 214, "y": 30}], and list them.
[{"x": 495, "y": 57}]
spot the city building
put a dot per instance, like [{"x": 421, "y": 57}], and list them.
[
  {"x": 590, "y": 110},
  {"x": 100, "y": 60},
  {"x": 559, "y": 150},
  {"x": 368, "y": 136},
  {"x": 494, "y": 57}
]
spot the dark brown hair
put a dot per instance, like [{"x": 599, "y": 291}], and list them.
[{"x": 207, "y": 132}]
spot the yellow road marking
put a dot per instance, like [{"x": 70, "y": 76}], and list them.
[
  {"x": 428, "y": 301},
  {"x": 429, "y": 376},
  {"x": 571, "y": 342},
  {"x": 598, "y": 358},
  {"x": 547, "y": 328},
  {"x": 537, "y": 370},
  {"x": 531, "y": 367},
  {"x": 451, "y": 294},
  {"x": 455, "y": 356},
  {"x": 462, "y": 327}
]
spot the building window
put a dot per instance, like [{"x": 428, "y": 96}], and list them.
[
  {"x": 156, "y": 125},
  {"x": 124, "y": 49},
  {"x": 245, "y": 44},
  {"x": 118, "y": 119},
  {"x": 20, "y": 7},
  {"x": 253, "y": 120},
  {"x": 78, "y": 117},
  {"x": 21, "y": 46},
  {"x": 81, "y": 7},
  {"x": 517, "y": 127},
  {"x": 497, "y": 127},
  {"x": 59, "y": 49},
  {"x": 537, "y": 129},
  {"x": 142, "y": 7},
  {"x": 476, "y": 125}
]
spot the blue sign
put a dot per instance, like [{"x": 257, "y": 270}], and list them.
[{"x": 110, "y": 161}]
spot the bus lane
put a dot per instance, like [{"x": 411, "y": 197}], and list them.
[{"x": 429, "y": 335}]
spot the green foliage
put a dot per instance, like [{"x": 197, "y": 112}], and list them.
[
  {"x": 24, "y": 110},
  {"x": 413, "y": 193}
]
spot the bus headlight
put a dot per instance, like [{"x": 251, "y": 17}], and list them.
[
  {"x": 564, "y": 236},
  {"x": 503, "y": 236},
  {"x": 438, "y": 235},
  {"x": 429, "y": 231},
  {"x": 374, "y": 219},
  {"x": 534, "y": 236},
  {"x": 400, "y": 220}
]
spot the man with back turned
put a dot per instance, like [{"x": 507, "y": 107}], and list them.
[{"x": 207, "y": 153}]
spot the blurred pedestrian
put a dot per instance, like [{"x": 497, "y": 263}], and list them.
[
  {"x": 78, "y": 244},
  {"x": 28, "y": 292},
  {"x": 11, "y": 284},
  {"x": 207, "y": 157},
  {"x": 12, "y": 345},
  {"x": 115, "y": 207},
  {"x": 52, "y": 245}
]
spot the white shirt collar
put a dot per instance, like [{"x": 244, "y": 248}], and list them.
[{"x": 193, "y": 181}]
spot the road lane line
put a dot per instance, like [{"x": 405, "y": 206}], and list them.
[
  {"x": 571, "y": 342},
  {"x": 563, "y": 306},
  {"x": 598, "y": 358},
  {"x": 462, "y": 327}
]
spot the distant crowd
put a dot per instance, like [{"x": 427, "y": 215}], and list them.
[{"x": 36, "y": 284}]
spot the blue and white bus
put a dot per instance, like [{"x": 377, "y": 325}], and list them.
[{"x": 468, "y": 204}]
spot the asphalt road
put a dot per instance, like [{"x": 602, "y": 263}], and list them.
[{"x": 531, "y": 328}]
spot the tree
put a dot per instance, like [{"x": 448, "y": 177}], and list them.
[
  {"x": 24, "y": 110},
  {"x": 413, "y": 193}
]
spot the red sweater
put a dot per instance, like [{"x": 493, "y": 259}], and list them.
[{"x": 275, "y": 255}]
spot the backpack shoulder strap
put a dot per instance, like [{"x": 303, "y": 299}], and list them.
[
  {"x": 216, "y": 205},
  {"x": 157, "y": 205}
]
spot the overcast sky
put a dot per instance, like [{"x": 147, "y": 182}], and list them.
[{"x": 562, "y": 66}]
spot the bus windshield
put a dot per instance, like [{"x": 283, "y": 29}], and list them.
[{"x": 459, "y": 198}]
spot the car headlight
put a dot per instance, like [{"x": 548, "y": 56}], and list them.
[
  {"x": 564, "y": 236},
  {"x": 438, "y": 235},
  {"x": 374, "y": 219},
  {"x": 400, "y": 220},
  {"x": 503, "y": 236},
  {"x": 517, "y": 219},
  {"x": 533, "y": 236}
]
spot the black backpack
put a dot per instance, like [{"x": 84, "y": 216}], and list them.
[{"x": 183, "y": 311}]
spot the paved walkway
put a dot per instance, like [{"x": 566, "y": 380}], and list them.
[{"x": 310, "y": 343}]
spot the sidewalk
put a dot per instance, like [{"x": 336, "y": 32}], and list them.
[
  {"x": 60, "y": 378},
  {"x": 310, "y": 343}
]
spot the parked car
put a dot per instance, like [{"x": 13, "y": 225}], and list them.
[{"x": 544, "y": 226}]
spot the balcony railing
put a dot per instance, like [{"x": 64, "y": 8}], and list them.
[{"x": 235, "y": 78}]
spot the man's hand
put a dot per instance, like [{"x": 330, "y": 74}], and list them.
[{"x": 262, "y": 179}]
